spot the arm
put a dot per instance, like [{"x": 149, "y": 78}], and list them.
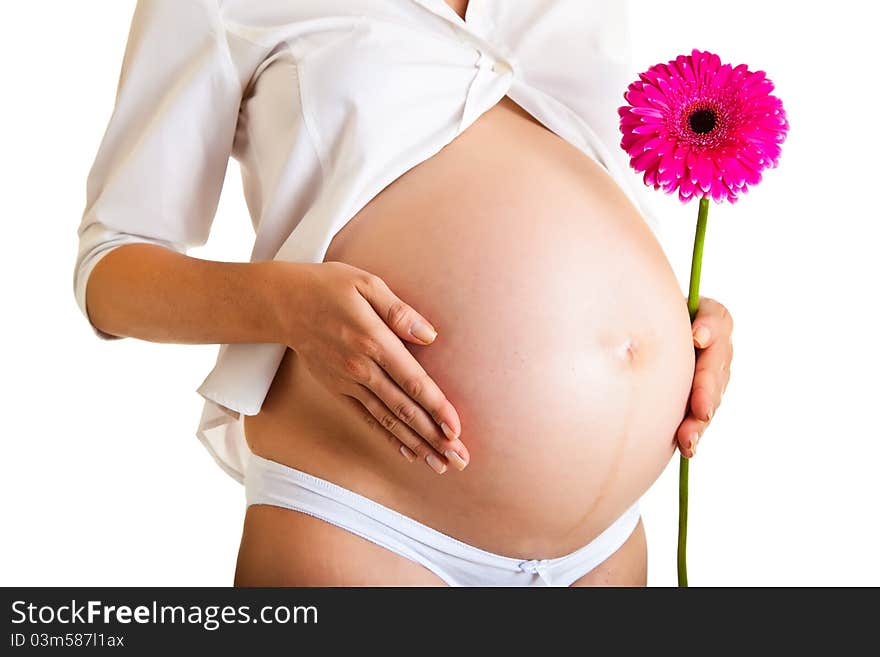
[
  {"x": 333, "y": 313},
  {"x": 154, "y": 187},
  {"x": 152, "y": 293}
]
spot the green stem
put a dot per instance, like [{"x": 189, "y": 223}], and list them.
[
  {"x": 697, "y": 261},
  {"x": 693, "y": 305}
]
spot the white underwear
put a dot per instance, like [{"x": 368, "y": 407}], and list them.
[{"x": 455, "y": 562}]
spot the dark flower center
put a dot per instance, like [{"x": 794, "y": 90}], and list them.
[{"x": 702, "y": 121}]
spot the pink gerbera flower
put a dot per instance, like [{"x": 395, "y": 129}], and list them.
[{"x": 700, "y": 128}]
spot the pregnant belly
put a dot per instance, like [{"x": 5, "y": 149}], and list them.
[{"x": 563, "y": 342}]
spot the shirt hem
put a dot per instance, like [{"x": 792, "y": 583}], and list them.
[{"x": 228, "y": 469}]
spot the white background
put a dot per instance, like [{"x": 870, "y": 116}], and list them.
[{"x": 104, "y": 482}]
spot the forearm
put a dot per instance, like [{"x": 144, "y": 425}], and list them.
[{"x": 152, "y": 293}]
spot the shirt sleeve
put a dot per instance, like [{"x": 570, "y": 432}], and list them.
[{"x": 161, "y": 163}]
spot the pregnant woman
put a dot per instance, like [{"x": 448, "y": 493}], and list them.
[{"x": 458, "y": 354}]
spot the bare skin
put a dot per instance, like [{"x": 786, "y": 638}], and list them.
[
  {"x": 458, "y": 6},
  {"x": 587, "y": 483},
  {"x": 313, "y": 418}
]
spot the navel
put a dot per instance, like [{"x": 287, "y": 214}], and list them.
[{"x": 628, "y": 352}]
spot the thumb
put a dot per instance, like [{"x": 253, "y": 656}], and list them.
[{"x": 398, "y": 315}]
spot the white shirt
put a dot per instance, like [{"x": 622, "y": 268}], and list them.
[{"x": 323, "y": 103}]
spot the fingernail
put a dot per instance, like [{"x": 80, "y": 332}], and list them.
[
  {"x": 448, "y": 432},
  {"x": 694, "y": 440},
  {"x": 422, "y": 331},
  {"x": 455, "y": 458},
  {"x": 701, "y": 335},
  {"x": 436, "y": 464},
  {"x": 710, "y": 412},
  {"x": 408, "y": 454}
]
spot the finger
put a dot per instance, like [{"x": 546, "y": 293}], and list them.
[
  {"x": 409, "y": 411},
  {"x": 711, "y": 374},
  {"x": 376, "y": 427},
  {"x": 401, "y": 366},
  {"x": 712, "y": 323},
  {"x": 688, "y": 435},
  {"x": 366, "y": 367},
  {"x": 380, "y": 418},
  {"x": 399, "y": 316}
]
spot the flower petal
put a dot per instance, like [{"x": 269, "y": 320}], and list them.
[
  {"x": 687, "y": 187},
  {"x": 703, "y": 173},
  {"x": 647, "y": 111}
]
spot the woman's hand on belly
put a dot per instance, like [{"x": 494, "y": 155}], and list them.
[
  {"x": 346, "y": 326},
  {"x": 712, "y": 329}
]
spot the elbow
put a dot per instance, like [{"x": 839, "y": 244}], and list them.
[
  {"x": 85, "y": 266},
  {"x": 97, "y": 240}
]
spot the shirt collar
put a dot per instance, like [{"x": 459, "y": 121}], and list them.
[{"x": 475, "y": 22}]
